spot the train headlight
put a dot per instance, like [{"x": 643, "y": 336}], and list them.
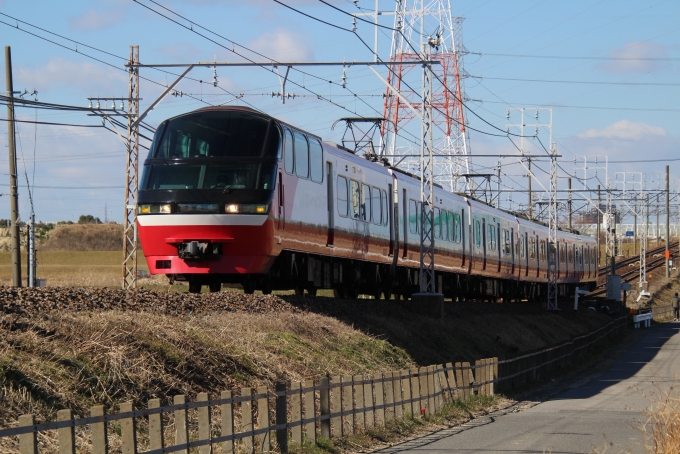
[
  {"x": 246, "y": 209},
  {"x": 165, "y": 208}
]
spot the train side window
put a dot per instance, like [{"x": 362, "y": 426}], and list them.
[
  {"x": 523, "y": 247},
  {"x": 532, "y": 248},
  {"x": 542, "y": 251},
  {"x": 316, "y": 160},
  {"x": 491, "y": 235},
  {"x": 445, "y": 215},
  {"x": 506, "y": 241},
  {"x": 517, "y": 244},
  {"x": 301, "y": 156},
  {"x": 365, "y": 203},
  {"x": 478, "y": 234},
  {"x": 586, "y": 257},
  {"x": 437, "y": 227},
  {"x": 578, "y": 254},
  {"x": 355, "y": 198},
  {"x": 457, "y": 228},
  {"x": 413, "y": 216},
  {"x": 343, "y": 204},
  {"x": 288, "y": 157},
  {"x": 563, "y": 253},
  {"x": 376, "y": 206},
  {"x": 385, "y": 207},
  {"x": 571, "y": 255}
]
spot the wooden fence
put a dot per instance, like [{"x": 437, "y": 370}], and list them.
[{"x": 262, "y": 420}]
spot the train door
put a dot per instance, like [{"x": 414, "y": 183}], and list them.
[
  {"x": 463, "y": 238},
  {"x": 330, "y": 237},
  {"x": 393, "y": 221},
  {"x": 537, "y": 245},
  {"x": 406, "y": 221},
  {"x": 499, "y": 246},
  {"x": 525, "y": 246},
  {"x": 484, "y": 244},
  {"x": 281, "y": 223},
  {"x": 512, "y": 250}
]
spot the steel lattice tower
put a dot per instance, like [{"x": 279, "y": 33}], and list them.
[{"x": 416, "y": 22}]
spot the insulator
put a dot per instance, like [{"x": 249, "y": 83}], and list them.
[
  {"x": 508, "y": 115},
  {"x": 536, "y": 131},
  {"x": 354, "y": 24},
  {"x": 122, "y": 106},
  {"x": 214, "y": 81},
  {"x": 97, "y": 104},
  {"x": 90, "y": 106},
  {"x": 536, "y": 114},
  {"x": 113, "y": 104}
]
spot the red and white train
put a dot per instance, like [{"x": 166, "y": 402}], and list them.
[{"x": 232, "y": 195}]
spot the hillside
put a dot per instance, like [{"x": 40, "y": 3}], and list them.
[
  {"x": 76, "y": 347},
  {"x": 84, "y": 237}
]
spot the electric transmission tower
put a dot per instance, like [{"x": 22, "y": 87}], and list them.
[{"x": 418, "y": 23}]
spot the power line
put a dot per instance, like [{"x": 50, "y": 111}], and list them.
[
  {"x": 663, "y": 84},
  {"x": 53, "y": 124},
  {"x": 567, "y": 57}
]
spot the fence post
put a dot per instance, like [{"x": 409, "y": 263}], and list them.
[
  {"x": 440, "y": 383},
  {"x": 465, "y": 375},
  {"x": 310, "y": 427},
  {"x": 100, "y": 442},
  {"x": 415, "y": 393},
  {"x": 67, "y": 438},
  {"x": 347, "y": 406},
  {"x": 451, "y": 382},
  {"x": 247, "y": 418},
  {"x": 128, "y": 429},
  {"x": 359, "y": 416},
  {"x": 296, "y": 413},
  {"x": 407, "y": 405},
  {"x": 494, "y": 374},
  {"x": 424, "y": 390},
  {"x": 398, "y": 397},
  {"x": 181, "y": 424},
  {"x": 325, "y": 407},
  {"x": 155, "y": 426},
  {"x": 281, "y": 416},
  {"x": 431, "y": 391},
  {"x": 227, "y": 410},
  {"x": 368, "y": 402},
  {"x": 263, "y": 440},
  {"x": 379, "y": 400},
  {"x": 336, "y": 407},
  {"x": 28, "y": 442},
  {"x": 204, "y": 424},
  {"x": 388, "y": 387}
]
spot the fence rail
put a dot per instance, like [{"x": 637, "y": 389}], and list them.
[{"x": 261, "y": 420}]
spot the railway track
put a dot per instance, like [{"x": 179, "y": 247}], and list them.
[{"x": 655, "y": 259}]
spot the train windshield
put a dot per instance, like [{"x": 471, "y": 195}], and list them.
[
  {"x": 217, "y": 134},
  {"x": 214, "y": 176}
]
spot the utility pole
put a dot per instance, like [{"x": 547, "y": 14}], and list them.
[
  {"x": 569, "y": 202},
  {"x": 498, "y": 185},
  {"x": 13, "y": 193},
  {"x": 658, "y": 238},
  {"x": 635, "y": 230},
  {"x": 529, "y": 203},
  {"x": 598, "y": 226},
  {"x": 131, "y": 174},
  {"x": 668, "y": 222}
]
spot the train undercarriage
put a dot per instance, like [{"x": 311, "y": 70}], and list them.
[{"x": 351, "y": 278}]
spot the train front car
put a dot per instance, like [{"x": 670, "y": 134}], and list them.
[{"x": 205, "y": 197}]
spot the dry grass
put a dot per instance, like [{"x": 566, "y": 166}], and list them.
[
  {"x": 73, "y": 268},
  {"x": 663, "y": 424},
  {"x": 73, "y": 361},
  {"x": 85, "y": 237}
]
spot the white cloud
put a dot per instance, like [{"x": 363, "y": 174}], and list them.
[
  {"x": 283, "y": 45},
  {"x": 93, "y": 19},
  {"x": 623, "y": 129},
  {"x": 635, "y": 53},
  {"x": 90, "y": 78}
]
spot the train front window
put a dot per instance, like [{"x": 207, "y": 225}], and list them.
[
  {"x": 231, "y": 176},
  {"x": 221, "y": 134}
]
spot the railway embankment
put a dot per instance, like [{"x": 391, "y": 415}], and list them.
[{"x": 73, "y": 348}]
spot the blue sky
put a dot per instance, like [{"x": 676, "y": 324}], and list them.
[{"x": 633, "y": 114}]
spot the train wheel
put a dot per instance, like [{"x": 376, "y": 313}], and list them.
[
  {"x": 248, "y": 285},
  {"x": 311, "y": 291},
  {"x": 194, "y": 286},
  {"x": 377, "y": 293},
  {"x": 352, "y": 292},
  {"x": 339, "y": 292},
  {"x": 215, "y": 286},
  {"x": 267, "y": 287},
  {"x": 299, "y": 290}
]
